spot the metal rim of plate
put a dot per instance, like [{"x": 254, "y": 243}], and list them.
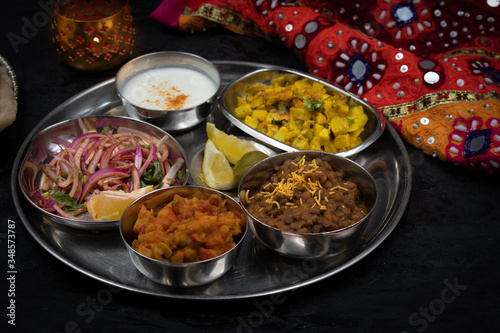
[
  {"x": 258, "y": 271},
  {"x": 11, "y": 74}
]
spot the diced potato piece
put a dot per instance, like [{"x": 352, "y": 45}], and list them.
[
  {"x": 358, "y": 122},
  {"x": 314, "y": 144},
  {"x": 144, "y": 218},
  {"x": 251, "y": 122},
  {"x": 254, "y": 89},
  {"x": 320, "y": 118},
  {"x": 300, "y": 114},
  {"x": 281, "y": 134},
  {"x": 318, "y": 88},
  {"x": 303, "y": 113},
  {"x": 330, "y": 147},
  {"x": 342, "y": 142},
  {"x": 327, "y": 105},
  {"x": 330, "y": 115},
  {"x": 302, "y": 84},
  {"x": 271, "y": 132},
  {"x": 300, "y": 142},
  {"x": 242, "y": 111},
  {"x": 356, "y": 133},
  {"x": 279, "y": 94},
  {"x": 356, "y": 110},
  {"x": 294, "y": 125},
  {"x": 279, "y": 81},
  {"x": 317, "y": 129},
  {"x": 341, "y": 108},
  {"x": 262, "y": 127},
  {"x": 164, "y": 249},
  {"x": 292, "y": 134},
  {"x": 355, "y": 141},
  {"x": 324, "y": 136},
  {"x": 260, "y": 115},
  {"x": 257, "y": 103},
  {"x": 339, "y": 126},
  {"x": 272, "y": 127},
  {"x": 308, "y": 130},
  {"x": 241, "y": 101}
]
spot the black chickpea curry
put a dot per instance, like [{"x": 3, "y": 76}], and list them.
[{"x": 306, "y": 196}]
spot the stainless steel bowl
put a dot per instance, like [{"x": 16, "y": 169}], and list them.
[
  {"x": 308, "y": 245},
  {"x": 179, "y": 274},
  {"x": 169, "y": 120},
  {"x": 228, "y": 101},
  {"x": 43, "y": 149}
]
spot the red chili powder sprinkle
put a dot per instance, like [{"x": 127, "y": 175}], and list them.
[{"x": 168, "y": 97}]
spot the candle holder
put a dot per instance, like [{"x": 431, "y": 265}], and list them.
[{"x": 93, "y": 35}]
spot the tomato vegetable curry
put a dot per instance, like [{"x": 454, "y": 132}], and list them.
[{"x": 187, "y": 229}]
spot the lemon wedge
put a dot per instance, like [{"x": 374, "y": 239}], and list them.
[
  {"x": 216, "y": 170},
  {"x": 231, "y": 146},
  {"x": 110, "y": 205}
]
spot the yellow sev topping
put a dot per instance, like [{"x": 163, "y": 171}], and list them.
[
  {"x": 287, "y": 186},
  {"x": 338, "y": 187}
]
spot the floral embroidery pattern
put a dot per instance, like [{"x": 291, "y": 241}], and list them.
[
  {"x": 474, "y": 139},
  {"x": 402, "y": 56},
  {"x": 363, "y": 67},
  {"x": 481, "y": 67},
  {"x": 404, "y": 19}
]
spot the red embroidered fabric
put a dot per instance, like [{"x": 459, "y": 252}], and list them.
[{"x": 432, "y": 68}]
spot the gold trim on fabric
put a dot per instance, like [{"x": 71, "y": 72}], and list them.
[
  {"x": 226, "y": 17},
  {"x": 473, "y": 52},
  {"x": 428, "y": 101}
]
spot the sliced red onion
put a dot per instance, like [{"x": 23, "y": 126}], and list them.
[
  {"x": 93, "y": 164},
  {"x": 170, "y": 176},
  {"x": 152, "y": 153},
  {"x": 63, "y": 183},
  {"x": 64, "y": 214},
  {"x": 75, "y": 175},
  {"x": 107, "y": 154},
  {"x": 50, "y": 203},
  {"x": 76, "y": 141},
  {"x": 79, "y": 153},
  {"x": 50, "y": 174},
  {"x": 128, "y": 151},
  {"x": 99, "y": 175},
  {"x": 135, "y": 181},
  {"x": 107, "y": 160},
  {"x": 138, "y": 158},
  {"x": 39, "y": 196},
  {"x": 43, "y": 201}
]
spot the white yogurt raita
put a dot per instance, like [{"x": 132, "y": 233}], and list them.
[{"x": 169, "y": 88}]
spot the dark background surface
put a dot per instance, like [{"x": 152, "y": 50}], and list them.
[{"x": 438, "y": 271}]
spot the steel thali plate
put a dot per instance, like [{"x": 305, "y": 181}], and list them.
[{"x": 258, "y": 271}]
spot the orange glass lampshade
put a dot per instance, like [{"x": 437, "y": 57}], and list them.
[{"x": 93, "y": 35}]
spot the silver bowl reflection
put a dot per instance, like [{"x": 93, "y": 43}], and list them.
[
  {"x": 190, "y": 274},
  {"x": 169, "y": 120},
  {"x": 308, "y": 245},
  {"x": 228, "y": 101},
  {"x": 43, "y": 149}
]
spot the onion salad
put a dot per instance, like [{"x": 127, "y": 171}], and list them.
[{"x": 121, "y": 159}]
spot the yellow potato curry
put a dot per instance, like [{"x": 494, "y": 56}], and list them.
[{"x": 303, "y": 114}]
